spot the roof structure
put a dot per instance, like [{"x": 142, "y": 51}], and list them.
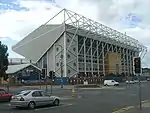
[
  {"x": 44, "y": 37},
  {"x": 13, "y": 61},
  {"x": 15, "y": 68},
  {"x": 37, "y": 42}
]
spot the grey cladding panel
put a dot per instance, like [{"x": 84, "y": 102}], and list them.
[{"x": 35, "y": 49}]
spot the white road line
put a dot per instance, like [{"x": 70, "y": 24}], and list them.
[
  {"x": 5, "y": 104},
  {"x": 133, "y": 94},
  {"x": 67, "y": 98},
  {"x": 53, "y": 107}
]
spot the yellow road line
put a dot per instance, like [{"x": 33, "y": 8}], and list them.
[
  {"x": 144, "y": 101},
  {"x": 123, "y": 109},
  {"x": 128, "y": 107}
]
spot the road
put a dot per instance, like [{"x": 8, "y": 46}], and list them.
[{"x": 104, "y": 100}]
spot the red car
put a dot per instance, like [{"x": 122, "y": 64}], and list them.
[{"x": 5, "y": 96}]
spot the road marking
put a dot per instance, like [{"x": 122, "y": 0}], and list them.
[
  {"x": 128, "y": 107},
  {"x": 133, "y": 94},
  {"x": 113, "y": 88},
  {"x": 123, "y": 109},
  {"x": 144, "y": 101},
  {"x": 5, "y": 104},
  {"x": 65, "y": 105},
  {"x": 66, "y": 98}
]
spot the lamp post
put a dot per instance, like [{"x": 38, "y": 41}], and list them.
[{"x": 61, "y": 61}]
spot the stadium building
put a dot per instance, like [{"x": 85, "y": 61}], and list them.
[{"x": 72, "y": 45}]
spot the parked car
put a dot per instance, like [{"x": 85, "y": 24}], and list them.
[
  {"x": 33, "y": 98},
  {"x": 148, "y": 79},
  {"x": 111, "y": 83},
  {"x": 131, "y": 81},
  {"x": 4, "y": 95}
]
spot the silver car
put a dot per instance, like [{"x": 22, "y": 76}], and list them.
[{"x": 33, "y": 98}]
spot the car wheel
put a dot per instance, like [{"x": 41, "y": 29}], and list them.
[
  {"x": 31, "y": 105},
  {"x": 56, "y": 102}
]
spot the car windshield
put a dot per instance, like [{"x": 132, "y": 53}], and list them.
[{"x": 2, "y": 91}]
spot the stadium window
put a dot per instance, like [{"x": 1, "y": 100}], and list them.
[
  {"x": 57, "y": 49},
  {"x": 61, "y": 56},
  {"x": 68, "y": 71},
  {"x": 68, "y": 56},
  {"x": 74, "y": 49},
  {"x": 68, "y": 40},
  {"x": 57, "y": 64}
]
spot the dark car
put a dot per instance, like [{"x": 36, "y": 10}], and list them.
[{"x": 5, "y": 96}]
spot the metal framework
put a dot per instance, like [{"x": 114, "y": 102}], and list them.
[{"x": 86, "y": 45}]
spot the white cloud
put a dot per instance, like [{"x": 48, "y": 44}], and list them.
[{"x": 17, "y": 24}]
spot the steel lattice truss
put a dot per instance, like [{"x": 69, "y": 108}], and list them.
[{"x": 111, "y": 35}]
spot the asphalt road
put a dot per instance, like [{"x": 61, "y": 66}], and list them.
[{"x": 105, "y": 100}]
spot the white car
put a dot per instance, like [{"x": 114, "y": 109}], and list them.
[
  {"x": 110, "y": 83},
  {"x": 131, "y": 81},
  {"x": 33, "y": 98}
]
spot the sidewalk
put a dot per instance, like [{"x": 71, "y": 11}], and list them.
[{"x": 135, "y": 109}]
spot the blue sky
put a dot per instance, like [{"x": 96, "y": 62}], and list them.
[
  {"x": 11, "y": 5},
  {"x": 19, "y": 17}
]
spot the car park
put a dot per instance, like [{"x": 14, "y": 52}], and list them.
[{"x": 33, "y": 98}]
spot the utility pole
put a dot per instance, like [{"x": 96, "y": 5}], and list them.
[
  {"x": 52, "y": 85},
  {"x": 51, "y": 75},
  {"x": 45, "y": 77},
  {"x": 61, "y": 69},
  {"x": 137, "y": 71},
  {"x": 140, "y": 94}
]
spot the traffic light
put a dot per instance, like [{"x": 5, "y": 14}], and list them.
[
  {"x": 43, "y": 73},
  {"x": 137, "y": 65},
  {"x": 51, "y": 74}
]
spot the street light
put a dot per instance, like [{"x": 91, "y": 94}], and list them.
[{"x": 61, "y": 65}]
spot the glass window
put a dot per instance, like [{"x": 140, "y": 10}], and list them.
[
  {"x": 25, "y": 93},
  {"x": 37, "y": 94},
  {"x": 74, "y": 49},
  {"x": 68, "y": 71},
  {"x": 57, "y": 64},
  {"x": 68, "y": 56},
  {"x": 2, "y": 91},
  {"x": 57, "y": 49},
  {"x": 61, "y": 56},
  {"x": 68, "y": 40}
]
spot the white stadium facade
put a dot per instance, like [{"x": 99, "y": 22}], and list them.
[{"x": 78, "y": 46}]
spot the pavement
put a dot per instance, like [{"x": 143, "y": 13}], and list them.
[
  {"x": 120, "y": 99},
  {"x": 135, "y": 109}
]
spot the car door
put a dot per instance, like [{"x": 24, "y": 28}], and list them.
[
  {"x": 112, "y": 82},
  {"x": 46, "y": 98},
  {"x": 38, "y": 98}
]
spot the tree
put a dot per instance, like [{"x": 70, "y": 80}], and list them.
[{"x": 3, "y": 61}]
